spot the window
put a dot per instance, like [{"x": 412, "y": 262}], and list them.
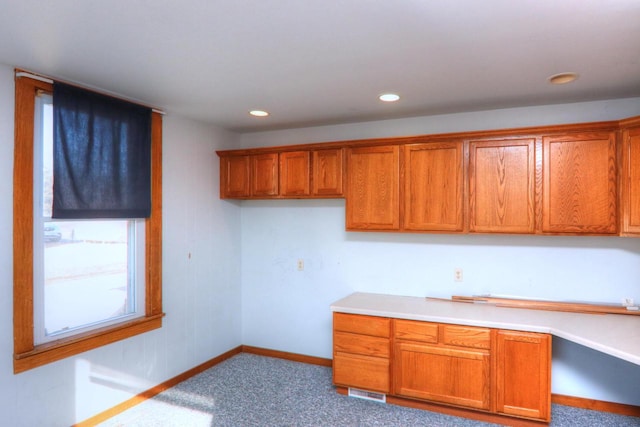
[
  {"x": 87, "y": 274},
  {"x": 78, "y": 284}
]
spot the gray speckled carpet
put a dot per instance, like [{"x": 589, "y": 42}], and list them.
[{"x": 250, "y": 390}]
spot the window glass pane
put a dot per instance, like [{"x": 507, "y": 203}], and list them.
[{"x": 86, "y": 274}]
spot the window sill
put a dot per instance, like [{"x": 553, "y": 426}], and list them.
[{"x": 57, "y": 350}]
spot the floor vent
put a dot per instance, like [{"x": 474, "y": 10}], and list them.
[{"x": 368, "y": 395}]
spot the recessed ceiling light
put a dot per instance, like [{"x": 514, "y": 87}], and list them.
[
  {"x": 563, "y": 78},
  {"x": 389, "y": 97},
  {"x": 258, "y": 113}
]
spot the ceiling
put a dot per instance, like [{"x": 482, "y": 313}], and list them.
[{"x": 325, "y": 62}]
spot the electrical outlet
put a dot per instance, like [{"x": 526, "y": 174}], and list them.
[
  {"x": 627, "y": 302},
  {"x": 300, "y": 264},
  {"x": 457, "y": 275}
]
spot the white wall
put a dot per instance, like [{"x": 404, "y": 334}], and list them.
[
  {"x": 288, "y": 310},
  {"x": 596, "y": 111},
  {"x": 201, "y": 294}
]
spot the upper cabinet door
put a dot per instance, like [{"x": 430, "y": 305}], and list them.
[
  {"x": 579, "y": 183},
  {"x": 294, "y": 173},
  {"x": 235, "y": 177},
  {"x": 433, "y": 186},
  {"x": 373, "y": 184},
  {"x": 631, "y": 181},
  {"x": 502, "y": 186},
  {"x": 264, "y": 182},
  {"x": 327, "y": 172}
]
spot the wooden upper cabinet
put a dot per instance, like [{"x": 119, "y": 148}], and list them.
[
  {"x": 502, "y": 186},
  {"x": 373, "y": 184},
  {"x": 328, "y": 168},
  {"x": 264, "y": 177},
  {"x": 235, "y": 177},
  {"x": 523, "y": 374},
  {"x": 287, "y": 174},
  {"x": 295, "y": 174},
  {"x": 579, "y": 183},
  {"x": 631, "y": 181},
  {"x": 571, "y": 179},
  {"x": 433, "y": 186}
]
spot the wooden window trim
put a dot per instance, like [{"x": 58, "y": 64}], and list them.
[{"x": 26, "y": 354}]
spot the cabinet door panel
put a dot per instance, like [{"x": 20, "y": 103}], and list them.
[
  {"x": 373, "y": 181},
  {"x": 235, "y": 177},
  {"x": 631, "y": 180},
  {"x": 265, "y": 175},
  {"x": 364, "y": 372},
  {"x": 294, "y": 173},
  {"x": 327, "y": 172},
  {"x": 441, "y": 374},
  {"x": 501, "y": 186},
  {"x": 523, "y": 374},
  {"x": 579, "y": 183},
  {"x": 433, "y": 191}
]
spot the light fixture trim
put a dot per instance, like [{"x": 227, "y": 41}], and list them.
[
  {"x": 259, "y": 113},
  {"x": 389, "y": 97},
  {"x": 563, "y": 78}
]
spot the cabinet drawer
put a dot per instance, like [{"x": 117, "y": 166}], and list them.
[
  {"x": 466, "y": 336},
  {"x": 365, "y": 372},
  {"x": 359, "y": 324},
  {"x": 360, "y": 344},
  {"x": 416, "y": 331}
]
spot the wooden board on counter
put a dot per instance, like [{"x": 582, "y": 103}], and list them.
[{"x": 574, "y": 307}]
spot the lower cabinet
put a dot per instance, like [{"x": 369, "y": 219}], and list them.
[
  {"x": 361, "y": 352},
  {"x": 494, "y": 371},
  {"x": 523, "y": 374},
  {"x": 442, "y": 374},
  {"x": 442, "y": 363}
]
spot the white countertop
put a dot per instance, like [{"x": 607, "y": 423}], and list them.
[{"x": 614, "y": 334}]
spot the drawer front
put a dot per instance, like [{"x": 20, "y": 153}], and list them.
[
  {"x": 360, "y": 324},
  {"x": 466, "y": 336},
  {"x": 360, "y": 344},
  {"x": 416, "y": 331},
  {"x": 364, "y": 372}
]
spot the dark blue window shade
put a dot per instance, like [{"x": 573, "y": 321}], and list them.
[{"x": 101, "y": 156}]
